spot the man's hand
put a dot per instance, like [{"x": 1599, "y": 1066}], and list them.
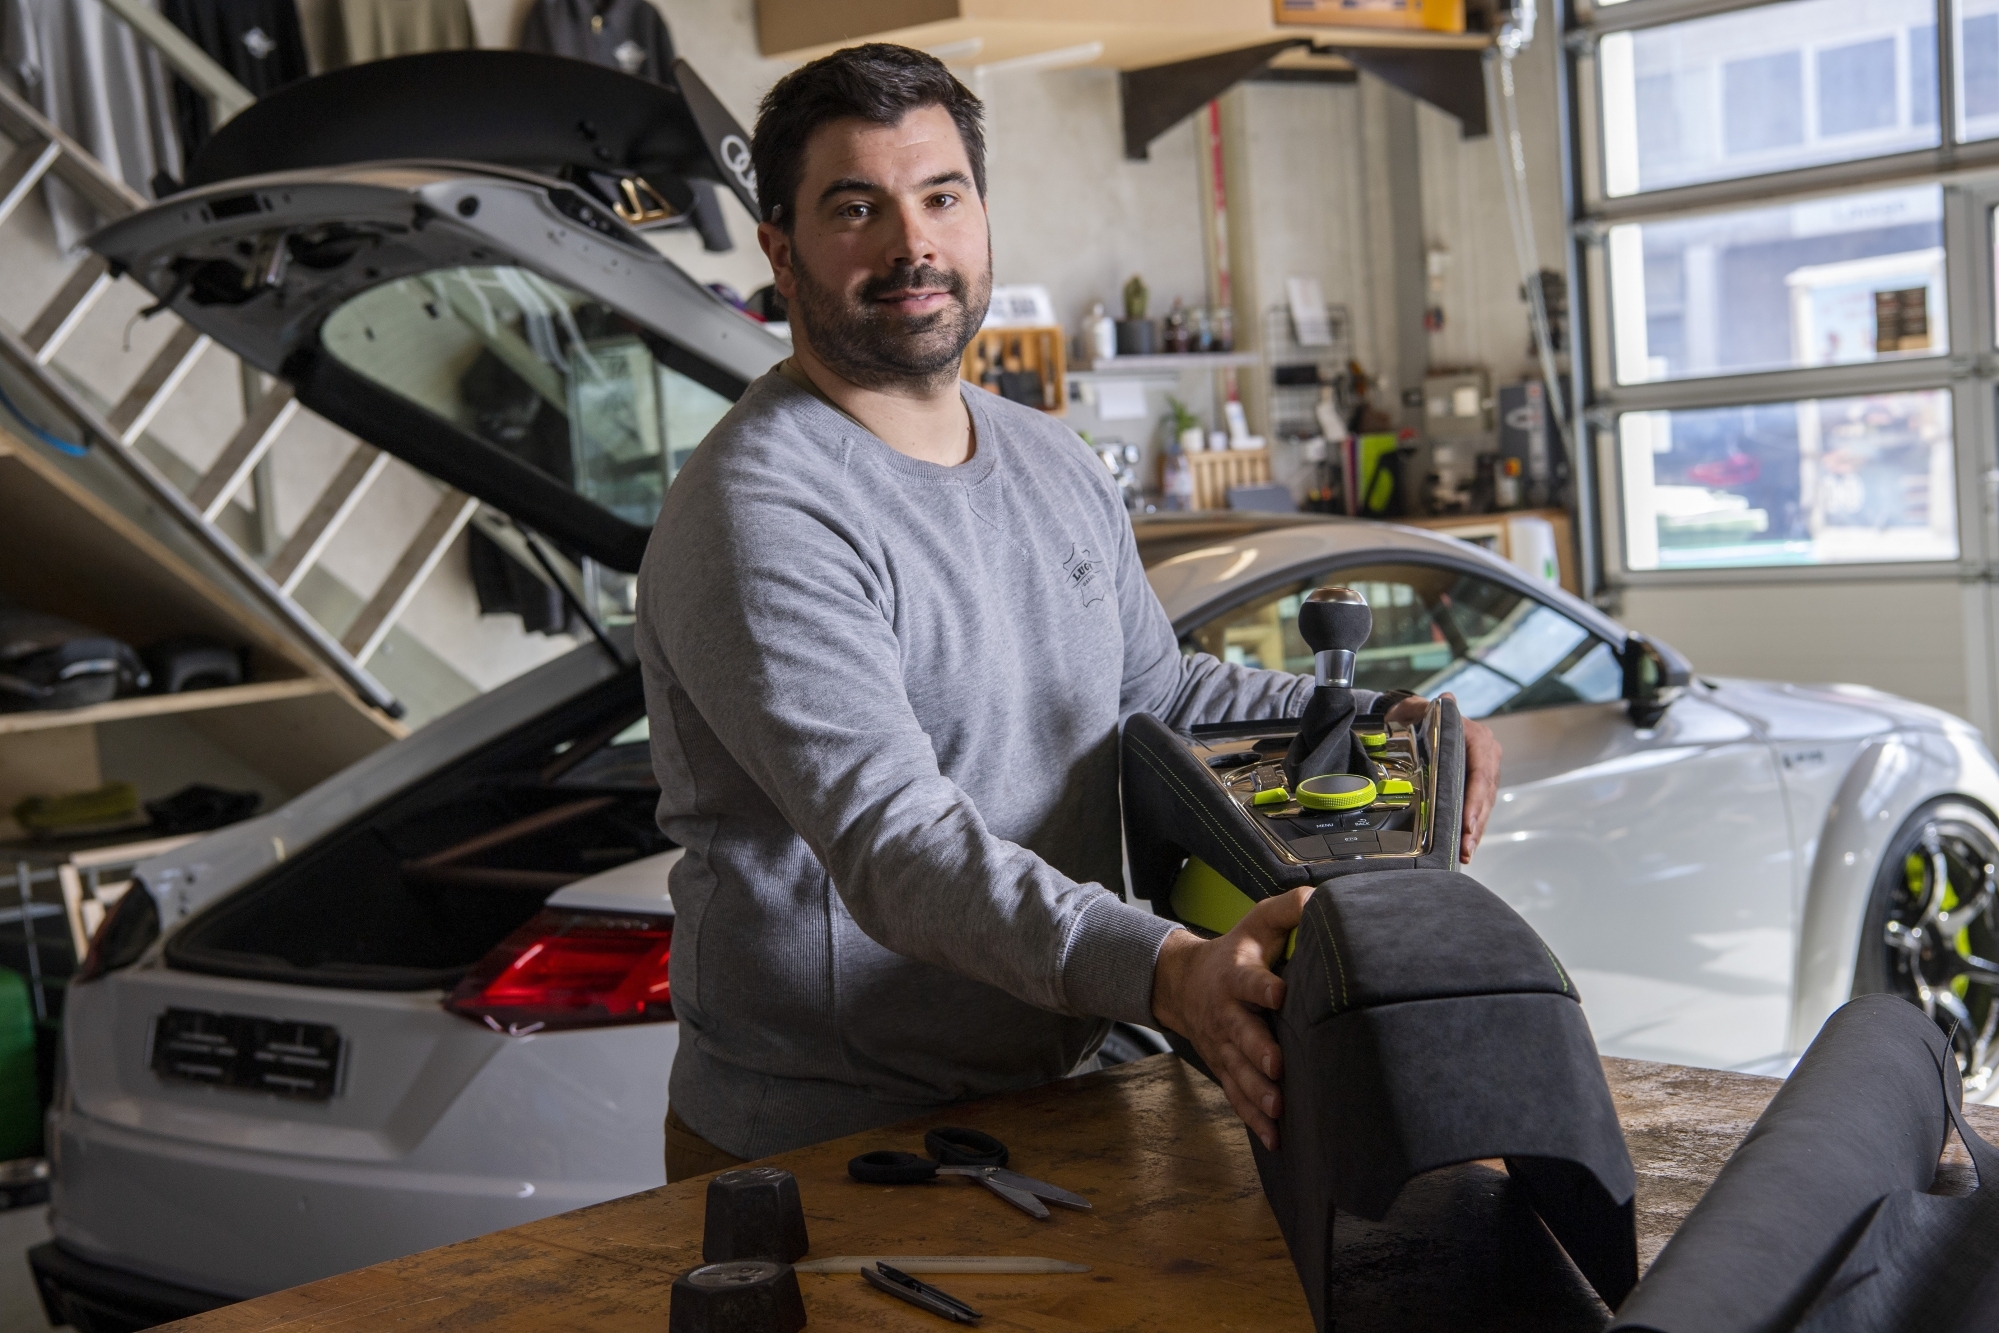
[
  {"x": 1481, "y": 771},
  {"x": 1211, "y": 992}
]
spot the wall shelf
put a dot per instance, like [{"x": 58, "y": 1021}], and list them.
[
  {"x": 1172, "y": 362},
  {"x": 156, "y": 705}
]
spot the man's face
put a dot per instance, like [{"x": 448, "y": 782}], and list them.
[{"x": 887, "y": 268}]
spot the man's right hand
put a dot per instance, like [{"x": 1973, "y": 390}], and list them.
[{"x": 1213, "y": 992}]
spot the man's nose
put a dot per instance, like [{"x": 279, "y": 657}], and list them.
[{"x": 913, "y": 242}]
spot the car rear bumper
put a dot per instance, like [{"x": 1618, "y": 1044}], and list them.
[{"x": 97, "y": 1299}]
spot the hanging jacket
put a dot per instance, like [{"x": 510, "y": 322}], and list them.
[
  {"x": 627, "y": 35},
  {"x": 81, "y": 66},
  {"x": 259, "y": 42}
]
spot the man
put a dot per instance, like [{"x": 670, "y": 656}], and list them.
[{"x": 889, "y": 625}]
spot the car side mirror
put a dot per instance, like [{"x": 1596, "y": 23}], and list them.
[{"x": 1654, "y": 676}]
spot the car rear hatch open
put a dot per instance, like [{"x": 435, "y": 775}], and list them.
[
  {"x": 424, "y": 252},
  {"x": 411, "y": 895}
]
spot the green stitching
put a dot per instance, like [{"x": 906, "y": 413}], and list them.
[
  {"x": 1219, "y": 830},
  {"x": 1208, "y": 820},
  {"x": 1326, "y": 929},
  {"x": 1558, "y": 964}
]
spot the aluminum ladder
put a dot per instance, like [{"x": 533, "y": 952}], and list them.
[{"x": 268, "y": 580}]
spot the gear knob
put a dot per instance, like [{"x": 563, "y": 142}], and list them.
[{"x": 1334, "y": 622}]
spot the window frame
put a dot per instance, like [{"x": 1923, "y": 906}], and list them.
[
  {"x": 1593, "y": 621},
  {"x": 1968, "y": 174}
]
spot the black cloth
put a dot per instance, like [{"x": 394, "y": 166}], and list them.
[
  {"x": 259, "y": 42},
  {"x": 1324, "y": 743},
  {"x": 1426, "y": 1025},
  {"x": 630, "y": 36},
  {"x": 1821, "y": 1215},
  {"x": 505, "y": 587},
  {"x": 627, "y": 35}
]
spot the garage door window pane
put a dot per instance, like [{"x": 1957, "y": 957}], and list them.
[
  {"x": 1978, "y": 69},
  {"x": 1768, "y": 89},
  {"x": 1825, "y": 481},
  {"x": 1435, "y": 630},
  {"x": 1822, "y": 282}
]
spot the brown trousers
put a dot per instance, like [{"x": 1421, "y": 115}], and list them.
[{"x": 689, "y": 1155}]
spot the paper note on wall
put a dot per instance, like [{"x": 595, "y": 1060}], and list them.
[{"x": 1121, "y": 400}]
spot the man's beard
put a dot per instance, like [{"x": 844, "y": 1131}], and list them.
[{"x": 876, "y": 348}]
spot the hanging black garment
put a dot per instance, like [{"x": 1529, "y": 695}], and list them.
[
  {"x": 631, "y": 37},
  {"x": 258, "y": 42},
  {"x": 627, "y": 35}
]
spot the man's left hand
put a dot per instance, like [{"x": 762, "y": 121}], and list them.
[{"x": 1481, "y": 770}]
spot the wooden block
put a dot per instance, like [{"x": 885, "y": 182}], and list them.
[
  {"x": 1217, "y": 471},
  {"x": 1040, "y": 352}
]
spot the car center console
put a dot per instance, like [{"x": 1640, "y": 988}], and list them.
[{"x": 1272, "y": 805}]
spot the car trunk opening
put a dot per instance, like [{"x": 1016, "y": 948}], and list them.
[{"x": 412, "y": 894}]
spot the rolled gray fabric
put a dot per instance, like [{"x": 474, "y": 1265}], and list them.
[{"x": 1859, "y": 1119}]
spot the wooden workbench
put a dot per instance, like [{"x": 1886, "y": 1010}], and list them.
[{"x": 1180, "y": 1236}]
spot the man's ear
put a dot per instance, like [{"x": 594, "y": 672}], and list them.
[{"x": 777, "y": 249}]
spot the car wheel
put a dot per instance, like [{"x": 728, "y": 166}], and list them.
[
  {"x": 1932, "y": 929},
  {"x": 1127, "y": 1043}
]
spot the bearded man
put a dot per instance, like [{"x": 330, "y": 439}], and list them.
[{"x": 890, "y": 625}]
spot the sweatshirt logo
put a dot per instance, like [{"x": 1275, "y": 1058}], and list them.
[{"x": 1083, "y": 569}]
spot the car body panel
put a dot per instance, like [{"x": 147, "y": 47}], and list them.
[
  {"x": 239, "y": 1220},
  {"x": 1671, "y": 908}
]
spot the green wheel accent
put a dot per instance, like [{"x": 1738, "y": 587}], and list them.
[
  {"x": 1336, "y": 791},
  {"x": 1373, "y": 740},
  {"x": 1271, "y": 796},
  {"x": 1201, "y": 897}
]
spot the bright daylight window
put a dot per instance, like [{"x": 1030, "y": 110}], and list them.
[
  {"x": 1768, "y": 89},
  {"x": 1799, "y": 284},
  {"x": 1826, "y": 481},
  {"x": 1777, "y": 384}
]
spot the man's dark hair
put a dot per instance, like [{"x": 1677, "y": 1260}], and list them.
[{"x": 878, "y": 82}]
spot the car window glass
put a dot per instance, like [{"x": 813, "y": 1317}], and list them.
[
  {"x": 1497, "y": 649},
  {"x": 553, "y": 377}
]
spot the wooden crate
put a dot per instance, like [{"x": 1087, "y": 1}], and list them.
[
  {"x": 1041, "y": 352},
  {"x": 1216, "y": 471}
]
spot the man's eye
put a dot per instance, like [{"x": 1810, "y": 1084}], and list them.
[
  {"x": 855, "y": 210},
  {"x": 943, "y": 200}
]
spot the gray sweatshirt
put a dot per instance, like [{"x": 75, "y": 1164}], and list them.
[{"x": 885, "y": 698}]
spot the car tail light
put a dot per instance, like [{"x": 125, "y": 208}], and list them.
[
  {"x": 125, "y": 933},
  {"x": 566, "y": 969}
]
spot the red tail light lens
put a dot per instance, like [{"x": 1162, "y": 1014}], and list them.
[{"x": 567, "y": 969}]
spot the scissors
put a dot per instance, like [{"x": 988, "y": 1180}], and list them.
[{"x": 969, "y": 1153}]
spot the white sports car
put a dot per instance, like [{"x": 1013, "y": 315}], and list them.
[{"x": 429, "y": 998}]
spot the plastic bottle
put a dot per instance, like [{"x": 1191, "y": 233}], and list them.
[{"x": 1100, "y": 334}]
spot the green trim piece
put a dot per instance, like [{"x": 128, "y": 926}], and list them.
[
  {"x": 1202, "y": 897},
  {"x": 1373, "y": 740},
  {"x": 1396, "y": 787},
  {"x": 1271, "y": 796},
  {"x": 1334, "y": 791}
]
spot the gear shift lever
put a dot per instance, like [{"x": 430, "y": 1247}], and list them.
[{"x": 1334, "y": 622}]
